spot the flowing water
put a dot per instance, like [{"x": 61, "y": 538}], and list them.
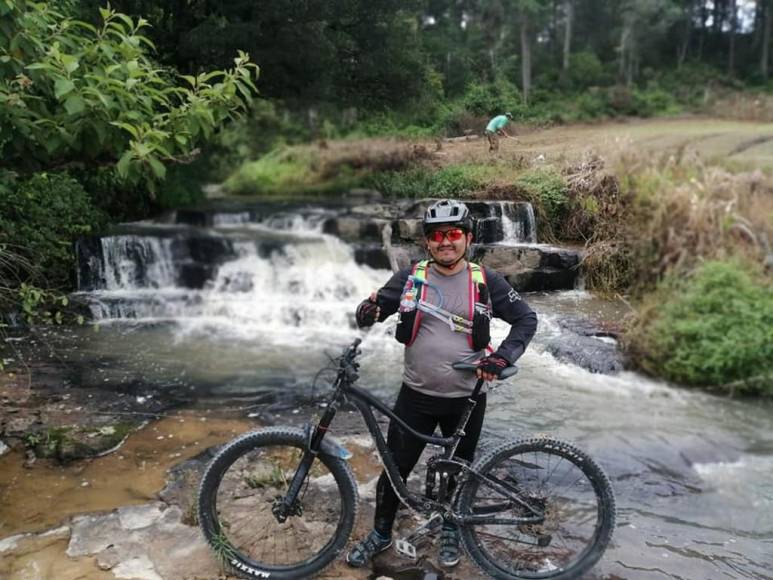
[{"x": 693, "y": 473}]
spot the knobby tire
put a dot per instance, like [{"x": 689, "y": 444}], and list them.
[{"x": 234, "y": 504}]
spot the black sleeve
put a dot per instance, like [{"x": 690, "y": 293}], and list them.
[
  {"x": 508, "y": 305},
  {"x": 388, "y": 296}
]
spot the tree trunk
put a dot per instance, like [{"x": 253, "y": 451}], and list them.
[
  {"x": 525, "y": 57},
  {"x": 568, "y": 16},
  {"x": 624, "y": 42},
  {"x": 716, "y": 16},
  {"x": 704, "y": 19},
  {"x": 685, "y": 44},
  {"x": 731, "y": 50},
  {"x": 767, "y": 19}
]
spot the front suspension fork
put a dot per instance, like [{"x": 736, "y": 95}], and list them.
[{"x": 289, "y": 505}]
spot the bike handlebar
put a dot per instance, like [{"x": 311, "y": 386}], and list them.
[
  {"x": 466, "y": 366},
  {"x": 351, "y": 352}
]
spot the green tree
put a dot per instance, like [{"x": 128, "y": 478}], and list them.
[{"x": 75, "y": 94}]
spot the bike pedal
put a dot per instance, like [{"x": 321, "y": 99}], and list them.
[{"x": 405, "y": 549}]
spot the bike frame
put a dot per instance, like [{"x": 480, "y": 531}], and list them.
[{"x": 365, "y": 401}]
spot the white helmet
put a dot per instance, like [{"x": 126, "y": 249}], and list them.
[{"x": 447, "y": 212}]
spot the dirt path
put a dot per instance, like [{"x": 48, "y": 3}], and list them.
[{"x": 748, "y": 144}]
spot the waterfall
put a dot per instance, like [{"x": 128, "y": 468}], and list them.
[
  {"x": 132, "y": 262},
  {"x": 518, "y": 223},
  {"x": 280, "y": 277}
]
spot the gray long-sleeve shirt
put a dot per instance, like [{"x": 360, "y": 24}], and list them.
[{"x": 428, "y": 360}]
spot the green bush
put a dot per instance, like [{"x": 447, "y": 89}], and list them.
[
  {"x": 268, "y": 126},
  {"x": 397, "y": 184},
  {"x": 592, "y": 104},
  {"x": 273, "y": 173},
  {"x": 454, "y": 181},
  {"x": 652, "y": 101},
  {"x": 714, "y": 328},
  {"x": 40, "y": 218},
  {"x": 489, "y": 99},
  {"x": 586, "y": 69},
  {"x": 547, "y": 191}
]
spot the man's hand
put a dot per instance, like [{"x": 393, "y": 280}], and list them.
[
  {"x": 368, "y": 311},
  {"x": 490, "y": 367}
]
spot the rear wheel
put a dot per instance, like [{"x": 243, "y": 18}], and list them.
[
  {"x": 242, "y": 484},
  {"x": 570, "y": 495}
]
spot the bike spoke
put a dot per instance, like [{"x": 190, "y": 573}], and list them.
[
  {"x": 244, "y": 505},
  {"x": 552, "y": 486}
]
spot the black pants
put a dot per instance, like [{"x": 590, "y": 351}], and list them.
[{"x": 423, "y": 413}]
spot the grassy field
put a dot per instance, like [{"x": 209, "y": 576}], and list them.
[{"x": 742, "y": 145}]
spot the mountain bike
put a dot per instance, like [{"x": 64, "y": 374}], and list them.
[{"x": 281, "y": 502}]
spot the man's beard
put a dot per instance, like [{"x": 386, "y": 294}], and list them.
[{"x": 451, "y": 262}]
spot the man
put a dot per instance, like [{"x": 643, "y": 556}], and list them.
[
  {"x": 431, "y": 296},
  {"x": 495, "y": 128}
]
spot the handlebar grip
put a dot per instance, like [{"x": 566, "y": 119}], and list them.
[{"x": 465, "y": 366}]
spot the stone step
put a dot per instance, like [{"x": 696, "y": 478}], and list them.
[
  {"x": 367, "y": 224},
  {"x": 527, "y": 267}
]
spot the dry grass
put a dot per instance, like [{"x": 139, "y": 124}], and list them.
[
  {"x": 687, "y": 211},
  {"x": 740, "y": 106},
  {"x": 368, "y": 154}
]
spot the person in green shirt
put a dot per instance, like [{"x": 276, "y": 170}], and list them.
[{"x": 495, "y": 128}]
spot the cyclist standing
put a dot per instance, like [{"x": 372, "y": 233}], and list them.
[{"x": 445, "y": 305}]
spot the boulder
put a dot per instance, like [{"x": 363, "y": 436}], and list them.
[{"x": 587, "y": 345}]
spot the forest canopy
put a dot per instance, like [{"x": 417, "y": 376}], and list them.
[{"x": 389, "y": 52}]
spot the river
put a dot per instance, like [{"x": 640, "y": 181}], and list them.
[{"x": 692, "y": 472}]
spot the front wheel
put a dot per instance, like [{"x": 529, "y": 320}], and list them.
[
  {"x": 538, "y": 508},
  {"x": 247, "y": 478}
]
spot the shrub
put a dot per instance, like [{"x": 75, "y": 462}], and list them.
[
  {"x": 586, "y": 69},
  {"x": 454, "y": 181},
  {"x": 273, "y": 173},
  {"x": 652, "y": 101},
  {"x": 713, "y": 328},
  {"x": 40, "y": 217},
  {"x": 397, "y": 184},
  {"x": 547, "y": 191},
  {"x": 592, "y": 104}
]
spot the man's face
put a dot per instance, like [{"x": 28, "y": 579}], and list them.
[{"x": 447, "y": 244}]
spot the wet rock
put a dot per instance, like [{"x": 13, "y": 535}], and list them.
[
  {"x": 353, "y": 228},
  {"x": 488, "y": 230},
  {"x": 208, "y": 249},
  {"x": 374, "y": 256},
  {"x": 70, "y": 442},
  {"x": 88, "y": 251},
  {"x": 18, "y": 426},
  {"x": 587, "y": 345},
  {"x": 530, "y": 268},
  {"x": 182, "y": 482},
  {"x": 195, "y": 275},
  {"x": 146, "y": 541},
  {"x": 408, "y": 230},
  {"x": 543, "y": 279},
  {"x": 193, "y": 217},
  {"x": 507, "y": 260}
]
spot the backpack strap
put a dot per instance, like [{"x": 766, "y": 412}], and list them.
[
  {"x": 477, "y": 277},
  {"x": 420, "y": 271}
]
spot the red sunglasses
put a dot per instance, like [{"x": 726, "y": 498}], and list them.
[{"x": 453, "y": 235}]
